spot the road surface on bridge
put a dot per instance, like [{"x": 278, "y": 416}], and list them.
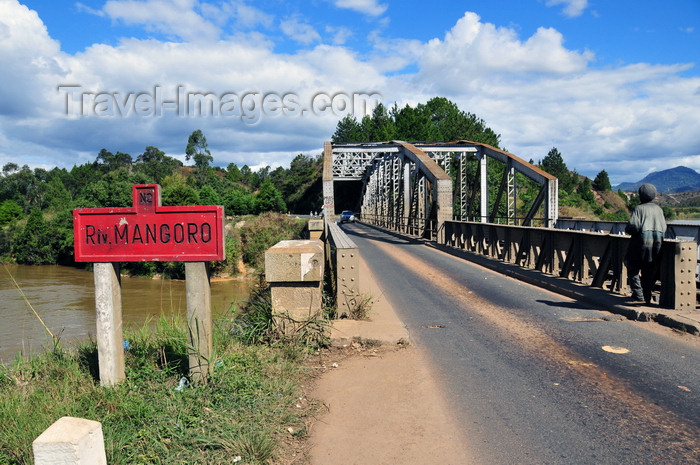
[{"x": 533, "y": 377}]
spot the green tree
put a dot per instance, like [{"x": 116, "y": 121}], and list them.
[
  {"x": 156, "y": 164},
  {"x": 269, "y": 199},
  {"x": 10, "y": 211},
  {"x": 113, "y": 190},
  {"x": 233, "y": 173},
  {"x": 9, "y": 169},
  {"x": 669, "y": 213},
  {"x": 246, "y": 175},
  {"x": 32, "y": 245},
  {"x": 79, "y": 177},
  {"x": 379, "y": 126},
  {"x": 438, "y": 120},
  {"x": 554, "y": 164},
  {"x": 180, "y": 194},
  {"x": 348, "y": 130},
  {"x": 602, "y": 181},
  {"x": 108, "y": 161},
  {"x": 198, "y": 150},
  {"x": 301, "y": 185},
  {"x": 57, "y": 195},
  {"x": 24, "y": 187},
  {"x": 239, "y": 201},
  {"x": 208, "y": 196},
  {"x": 412, "y": 124},
  {"x": 584, "y": 190}
]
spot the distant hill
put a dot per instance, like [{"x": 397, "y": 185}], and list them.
[{"x": 678, "y": 179}]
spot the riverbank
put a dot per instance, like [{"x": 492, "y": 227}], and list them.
[
  {"x": 252, "y": 409},
  {"x": 62, "y": 297}
]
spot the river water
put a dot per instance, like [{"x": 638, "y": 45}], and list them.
[{"x": 64, "y": 299}]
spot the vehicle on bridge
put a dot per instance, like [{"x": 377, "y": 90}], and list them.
[{"x": 347, "y": 215}]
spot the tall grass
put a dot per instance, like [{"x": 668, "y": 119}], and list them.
[
  {"x": 246, "y": 409},
  {"x": 256, "y": 324}
]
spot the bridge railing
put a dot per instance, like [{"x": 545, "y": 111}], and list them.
[
  {"x": 590, "y": 258},
  {"x": 594, "y": 259},
  {"x": 675, "y": 230},
  {"x": 343, "y": 269}
]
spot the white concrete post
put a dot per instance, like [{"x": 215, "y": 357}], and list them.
[
  {"x": 198, "y": 291},
  {"x": 70, "y": 441},
  {"x": 108, "y": 307}
]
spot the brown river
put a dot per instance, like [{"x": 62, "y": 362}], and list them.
[{"x": 64, "y": 300}]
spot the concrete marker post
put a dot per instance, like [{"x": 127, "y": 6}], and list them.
[
  {"x": 198, "y": 289},
  {"x": 70, "y": 440},
  {"x": 108, "y": 310}
]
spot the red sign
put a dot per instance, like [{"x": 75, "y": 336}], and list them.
[{"x": 149, "y": 232}]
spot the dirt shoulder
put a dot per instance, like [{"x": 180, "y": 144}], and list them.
[
  {"x": 380, "y": 401},
  {"x": 382, "y": 406}
]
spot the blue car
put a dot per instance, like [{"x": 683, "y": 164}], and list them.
[{"x": 347, "y": 215}]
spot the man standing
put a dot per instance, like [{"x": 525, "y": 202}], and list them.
[{"x": 647, "y": 227}]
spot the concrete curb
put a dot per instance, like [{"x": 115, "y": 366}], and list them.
[
  {"x": 686, "y": 321},
  {"x": 383, "y": 325}
]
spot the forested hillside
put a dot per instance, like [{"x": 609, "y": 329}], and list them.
[
  {"x": 36, "y": 205},
  {"x": 440, "y": 120}
]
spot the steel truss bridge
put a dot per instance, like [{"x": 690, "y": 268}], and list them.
[
  {"x": 475, "y": 197},
  {"x": 416, "y": 187}
]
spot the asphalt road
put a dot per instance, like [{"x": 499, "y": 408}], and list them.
[{"x": 537, "y": 378}]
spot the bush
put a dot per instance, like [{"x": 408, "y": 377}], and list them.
[
  {"x": 10, "y": 211},
  {"x": 33, "y": 245},
  {"x": 619, "y": 215},
  {"x": 264, "y": 231}
]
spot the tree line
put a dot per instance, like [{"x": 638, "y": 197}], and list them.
[
  {"x": 440, "y": 120},
  {"x": 36, "y": 204}
]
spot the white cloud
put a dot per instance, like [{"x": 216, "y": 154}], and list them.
[
  {"x": 139, "y": 66},
  {"x": 472, "y": 49},
  {"x": 175, "y": 18},
  {"x": 533, "y": 91},
  {"x": 340, "y": 35},
  {"x": 87, "y": 9},
  {"x": 368, "y": 7},
  {"x": 572, "y": 8},
  {"x": 300, "y": 31},
  {"x": 537, "y": 94},
  {"x": 30, "y": 60},
  {"x": 244, "y": 16}
]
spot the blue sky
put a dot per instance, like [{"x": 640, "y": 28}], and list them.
[{"x": 613, "y": 85}]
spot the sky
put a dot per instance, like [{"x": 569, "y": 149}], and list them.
[{"x": 614, "y": 85}]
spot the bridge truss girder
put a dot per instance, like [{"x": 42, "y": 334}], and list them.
[{"x": 409, "y": 186}]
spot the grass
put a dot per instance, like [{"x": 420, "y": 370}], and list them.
[
  {"x": 256, "y": 324},
  {"x": 245, "y": 412},
  {"x": 249, "y": 411}
]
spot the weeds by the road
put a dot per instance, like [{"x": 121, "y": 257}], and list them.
[{"x": 245, "y": 412}]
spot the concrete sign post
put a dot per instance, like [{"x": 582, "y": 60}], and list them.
[
  {"x": 148, "y": 231},
  {"x": 108, "y": 316},
  {"x": 198, "y": 291}
]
